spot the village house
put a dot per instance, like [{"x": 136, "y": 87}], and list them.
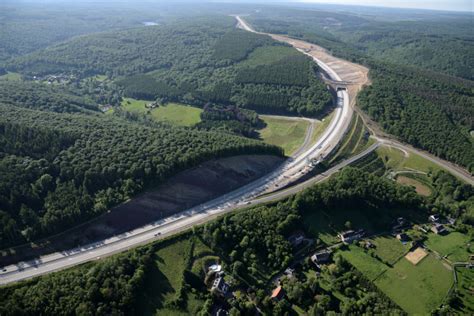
[
  {"x": 278, "y": 294},
  {"x": 296, "y": 239},
  {"x": 349, "y": 236},
  {"x": 220, "y": 286},
  {"x": 403, "y": 237},
  {"x": 151, "y": 105},
  {"x": 434, "y": 218},
  {"x": 438, "y": 229},
  {"x": 222, "y": 312},
  {"x": 289, "y": 272},
  {"x": 321, "y": 257}
]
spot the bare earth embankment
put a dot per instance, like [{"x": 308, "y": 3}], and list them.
[{"x": 184, "y": 190}]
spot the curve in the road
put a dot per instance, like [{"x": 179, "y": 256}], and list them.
[{"x": 289, "y": 171}]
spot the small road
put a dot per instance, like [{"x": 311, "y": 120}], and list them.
[{"x": 452, "y": 168}]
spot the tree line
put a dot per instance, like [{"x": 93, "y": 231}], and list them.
[{"x": 202, "y": 60}]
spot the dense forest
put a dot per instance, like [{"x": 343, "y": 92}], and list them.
[
  {"x": 439, "y": 42},
  {"x": 430, "y": 111},
  {"x": 59, "y": 169},
  {"x": 45, "y": 97},
  {"x": 410, "y": 99},
  {"x": 196, "y": 62}
]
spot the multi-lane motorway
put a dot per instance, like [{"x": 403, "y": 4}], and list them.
[{"x": 289, "y": 171}]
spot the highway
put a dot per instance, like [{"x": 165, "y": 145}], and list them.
[{"x": 292, "y": 169}]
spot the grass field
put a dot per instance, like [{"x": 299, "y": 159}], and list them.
[
  {"x": 11, "y": 76},
  {"x": 389, "y": 249},
  {"x": 417, "y": 289},
  {"x": 453, "y": 245},
  {"x": 465, "y": 287},
  {"x": 396, "y": 160},
  {"x": 286, "y": 133},
  {"x": 165, "y": 281},
  {"x": 366, "y": 264},
  {"x": 174, "y": 113}
]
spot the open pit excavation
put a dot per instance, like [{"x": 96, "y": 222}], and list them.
[{"x": 291, "y": 170}]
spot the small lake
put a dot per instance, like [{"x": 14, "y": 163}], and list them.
[{"x": 149, "y": 23}]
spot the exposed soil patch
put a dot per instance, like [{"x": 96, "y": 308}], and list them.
[
  {"x": 416, "y": 256},
  {"x": 188, "y": 188},
  {"x": 420, "y": 188}
]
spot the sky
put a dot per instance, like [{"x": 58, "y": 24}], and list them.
[{"x": 448, "y": 5}]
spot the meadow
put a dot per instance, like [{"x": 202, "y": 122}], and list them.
[
  {"x": 289, "y": 134},
  {"x": 369, "y": 266},
  {"x": 417, "y": 289},
  {"x": 164, "y": 288},
  {"x": 453, "y": 245},
  {"x": 389, "y": 249},
  {"x": 174, "y": 113},
  {"x": 464, "y": 288}
]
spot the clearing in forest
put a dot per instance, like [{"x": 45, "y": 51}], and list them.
[{"x": 174, "y": 113}]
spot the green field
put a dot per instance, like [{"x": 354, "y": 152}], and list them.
[
  {"x": 396, "y": 160},
  {"x": 11, "y": 76},
  {"x": 174, "y": 113},
  {"x": 465, "y": 287},
  {"x": 366, "y": 264},
  {"x": 287, "y": 133},
  {"x": 165, "y": 281},
  {"x": 454, "y": 245},
  {"x": 390, "y": 249},
  {"x": 417, "y": 289}
]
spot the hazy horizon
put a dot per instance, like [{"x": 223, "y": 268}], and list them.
[{"x": 465, "y": 6}]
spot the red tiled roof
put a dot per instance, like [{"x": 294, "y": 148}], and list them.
[{"x": 276, "y": 292}]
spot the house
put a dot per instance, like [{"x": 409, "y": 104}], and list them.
[
  {"x": 351, "y": 235},
  {"x": 438, "y": 229},
  {"x": 401, "y": 221},
  {"x": 151, "y": 105},
  {"x": 321, "y": 257},
  {"x": 434, "y": 218},
  {"x": 215, "y": 268},
  {"x": 220, "y": 286},
  {"x": 403, "y": 237},
  {"x": 369, "y": 245},
  {"x": 289, "y": 272},
  {"x": 278, "y": 294},
  {"x": 222, "y": 312},
  {"x": 296, "y": 239}
]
